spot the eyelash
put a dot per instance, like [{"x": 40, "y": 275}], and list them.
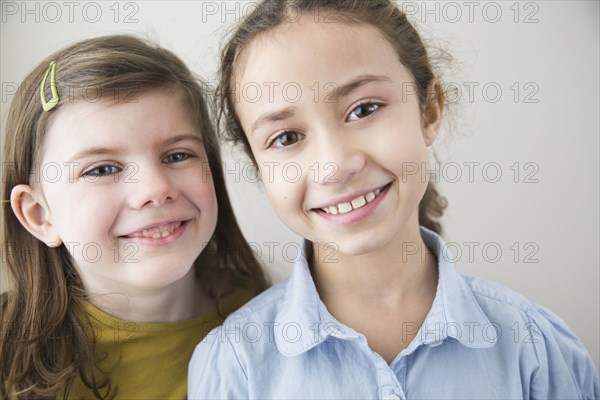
[
  {"x": 368, "y": 103},
  {"x": 179, "y": 153},
  {"x": 95, "y": 172},
  {"x": 281, "y": 135}
]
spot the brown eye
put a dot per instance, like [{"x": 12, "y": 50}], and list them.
[
  {"x": 362, "y": 111},
  {"x": 286, "y": 139}
]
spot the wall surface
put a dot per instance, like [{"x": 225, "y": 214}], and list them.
[{"x": 519, "y": 166}]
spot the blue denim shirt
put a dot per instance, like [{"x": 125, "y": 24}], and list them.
[{"x": 479, "y": 341}]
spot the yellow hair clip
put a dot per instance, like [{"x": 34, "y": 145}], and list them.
[{"x": 48, "y": 105}]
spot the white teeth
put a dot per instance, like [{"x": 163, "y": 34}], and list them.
[
  {"x": 358, "y": 202},
  {"x": 157, "y": 232},
  {"x": 343, "y": 208}
]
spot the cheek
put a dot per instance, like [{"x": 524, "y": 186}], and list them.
[
  {"x": 405, "y": 145},
  {"x": 203, "y": 195},
  {"x": 415, "y": 162},
  {"x": 277, "y": 194},
  {"x": 286, "y": 201},
  {"x": 82, "y": 212},
  {"x": 197, "y": 185},
  {"x": 85, "y": 224},
  {"x": 283, "y": 185}
]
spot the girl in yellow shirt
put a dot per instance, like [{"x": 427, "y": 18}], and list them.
[{"x": 119, "y": 241}]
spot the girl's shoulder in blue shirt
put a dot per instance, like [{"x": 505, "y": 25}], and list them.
[{"x": 479, "y": 340}]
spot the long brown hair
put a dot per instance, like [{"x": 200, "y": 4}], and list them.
[
  {"x": 381, "y": 14},
  {"x": 46, "y": 339}
]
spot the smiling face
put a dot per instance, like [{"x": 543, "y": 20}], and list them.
[
  {"x": 133, "y": 199},
  {"x": 337, "y": 133}
]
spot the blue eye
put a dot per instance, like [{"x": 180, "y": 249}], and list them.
[
  {"x": 363, "y": 111},
  {"x": 176, "y": 157},
  {"x": 103, "y": 170},
  {"x": 286, "y": 139}
]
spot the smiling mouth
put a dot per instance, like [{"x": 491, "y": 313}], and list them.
[
  {"x": 354, "y": 204},
  {"x": 156, "y": 232}
]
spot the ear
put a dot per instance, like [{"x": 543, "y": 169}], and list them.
[
  {"x": 33, "y": 214},
  {"x": 432, "y": 114}
]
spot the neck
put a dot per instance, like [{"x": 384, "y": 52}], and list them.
[
  {"x": 182, "y": 300},
  {"x": 394, "y": 275}
]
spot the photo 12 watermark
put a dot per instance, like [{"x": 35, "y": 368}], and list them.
[
  {"x": 54, "y": 12},
  {"x": 452, "y": 172},
  {"x": 492, "y": 92},
  {"x": 452, "y": 12},
  {"x": 486, "y": 92},
  {"x": 434, "y": 333},
  {"x": 127, "y": 252}
]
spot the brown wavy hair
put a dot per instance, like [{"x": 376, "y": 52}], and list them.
[
  {"x": 381, "y": 14},
  {"x": 46, "y": 339}
]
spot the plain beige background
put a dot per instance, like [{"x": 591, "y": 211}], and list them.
[{"x": 520, "y": 168}]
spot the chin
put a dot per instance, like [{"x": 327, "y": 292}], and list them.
[
  {"x": 358, "y": 249},
  {"x": 351, "y": 248},
  {"x": 164, "y": 276}
]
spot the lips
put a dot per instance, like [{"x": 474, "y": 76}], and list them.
[
  {"x": 157, "y": 231},
  {"x": 354, "y": 204}
]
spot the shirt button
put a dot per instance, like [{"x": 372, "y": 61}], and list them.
[{"x": 391, "y": 397}]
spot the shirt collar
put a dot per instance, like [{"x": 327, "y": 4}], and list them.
[
  {"x": 303, "y": 321},
  {"x": 455, "y": 313}
]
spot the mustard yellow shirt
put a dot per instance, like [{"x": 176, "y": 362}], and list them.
[{"x": 150, "y": 360}]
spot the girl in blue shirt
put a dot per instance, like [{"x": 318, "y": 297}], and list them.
[{"x": 373, "y": 309}]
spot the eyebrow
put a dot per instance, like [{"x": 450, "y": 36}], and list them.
[
  {"x": 96, "y": 151},
  {"x": 280, "y": 115},
  {"x": 181, "y": 138},
  {"x": 93, "y": 151},
  {"x": 341, "y": 91},
  {"x": 361, "y": 80}
]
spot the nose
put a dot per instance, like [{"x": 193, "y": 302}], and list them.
[
  {"x": 151, "y": 186},
  {"x": 339, "y": 158}
]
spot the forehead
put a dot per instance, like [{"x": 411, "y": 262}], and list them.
[
  {"x": 324, "y": 51},
  {"x": 135, "y": 122}
]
